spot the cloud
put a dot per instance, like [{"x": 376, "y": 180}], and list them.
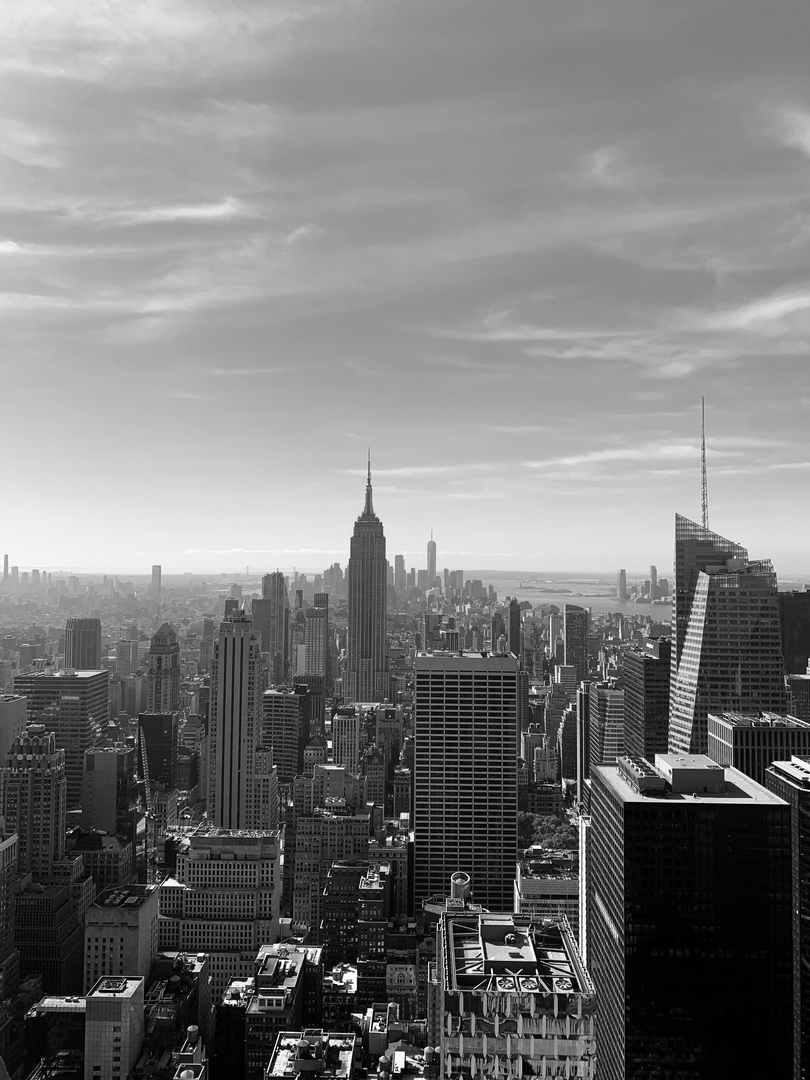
[
  {"x": 224, "y": 210},
  {"x": 793, "y": 127},
  {"x": 764, "y": 313}
]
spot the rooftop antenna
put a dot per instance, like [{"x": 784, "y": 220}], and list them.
[{"x": 704, "y": 486}]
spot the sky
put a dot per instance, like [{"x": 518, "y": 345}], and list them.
[{"x": 507, "y": 246}]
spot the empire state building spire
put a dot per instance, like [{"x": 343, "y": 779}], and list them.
[{"x": 368, "y": 509}]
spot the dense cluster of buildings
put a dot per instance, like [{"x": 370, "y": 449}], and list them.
[{"x": 384, "y": 822}]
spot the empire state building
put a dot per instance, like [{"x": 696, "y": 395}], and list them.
[{"x": 366, "y": 659}]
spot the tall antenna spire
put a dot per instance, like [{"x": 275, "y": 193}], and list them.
[
  {"x": 704, "y": 486},
  {"x": 368, "y": 509}
]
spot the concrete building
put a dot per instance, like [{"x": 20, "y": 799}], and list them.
[
  {"x": 465, "y": 774},
  {"x": 284, "y": 731},
  {"x": 510, "y": 994},
  {"x": 223, "y": 900},
  {"x": 688, "y": 872},
  {"x": 114, "y": 1028},
  {"x": 286, "y": 985},
  {"x": 547, "y": 885},
  {"x": 83, "y": 644},
  {"x": 346, "y": 731},
  {"x": 366, "y": 672},
  {"x": 121, "y": 933},
  {"x": 107, "y": 859},
  {"x": 751, "y": 743},
  {"x": 271, "y": 617},
  {"x": 75, "y": 706},
  {"x": 33, "y": 789},
  {"x": 798, "y": 692}
]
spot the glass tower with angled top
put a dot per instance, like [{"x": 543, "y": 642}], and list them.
[{"x": 728, "y": 654}]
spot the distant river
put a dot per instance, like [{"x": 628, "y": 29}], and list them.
[{"x": 599, "y": 596}]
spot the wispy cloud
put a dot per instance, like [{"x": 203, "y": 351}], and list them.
[{"x": 225, "y": 210}]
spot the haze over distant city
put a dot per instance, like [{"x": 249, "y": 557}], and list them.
[{"x": 240, "y": 243}]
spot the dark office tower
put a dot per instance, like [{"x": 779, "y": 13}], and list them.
[
  {"x": 241, "y": 779},
  {"x": 271, "y": 625},
  {"x": 731, "y": 659},
  {"x": 431, "y": 560},
  {"x": 366, "y": 676},
  {"x": 653, "y": 582},
  {"x": 621, "y": 585},
  {"x": 33, "y": 790},
  {"x": 514, "y": 628},
  {"x": 688, "y": 899},
  {"x": 695, "y": 549},
  {"x": 75, "y": 706},
  {"x": 575, "y": 636},
  {"x": 399, "y": 573},
  {"x": 158, "y": 737},
  {"x": 163, "y": 686},
  {"x": 5, "y": 570},
  {"x": 83, "y": 644},
  {"x": 497, "y": 631},
  {"x": 605, "y": 723},
  {"x": 790, "y": 780},
  {"x": 794, "y": 620},
  {"x": 465, "y": 775},
  {"x": 646, "y": 697}
]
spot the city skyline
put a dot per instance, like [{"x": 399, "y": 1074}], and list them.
[{"x": 421, "y": 215}]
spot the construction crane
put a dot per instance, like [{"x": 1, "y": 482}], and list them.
[
  {"x": 704, "y": 484},
  {"x": 151, "y": 822}
]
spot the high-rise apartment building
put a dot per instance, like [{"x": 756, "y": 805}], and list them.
[
  {"x": 346, "y": 727},
  {"x": 798, "y": 695},
  {"x": 575, "y": 637},
  {"x": 323, "y": 836},
  {"x": 155, "y": 585},
  {"x": 689, "y": 899},
  {"x": 790, "y": 780},
  {"x": 645, "y": 680},
  {"x": 33, "y": 791},
  {"x": 366, "y": 672},
  {"x": 163, "y": 686},
  {"x": 731, "y": 658},
  {"x": 223, "y": 899},
  {"x": 605, "y": 723},
  {"x": 515, "y": 643},
  {"x": 271, "y": 622},
  {"x": 465, "y": 775},
  {"x": 241, "y": 777},
  {"x": 75, "y": 706},
  {"x": 83, "y": 644},
  {"x": 431, "y": 560},
  {"x": 751, "y": 743}
]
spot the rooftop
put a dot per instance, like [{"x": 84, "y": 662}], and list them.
[
  {"x": 115, "y": 986},
  {"x": 125, "y": 895},
  {"x": 304, "y": 1051},
  {"x": 683, "y": 780},
  {"x": 540, "y": 863},
  {"x": 54, "y": 1003},
  {"x": 504, "y": 953},
  {"x": 759, "y": 720}
]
